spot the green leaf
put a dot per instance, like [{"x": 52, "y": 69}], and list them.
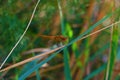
[
  {"x": 30, "y": 65},
  {"x": 66, "y": 65},
  {"x": 113, "y": 53}
]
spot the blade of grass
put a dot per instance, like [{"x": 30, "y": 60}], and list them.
[
  {"x": 61, "y": 17},
  {"x": 114, "y": 43},
  {"x": 113, "y": 52},
  {"x": 37, "y": 72},
  {"x": 67, "y": 66},
  {"x": 67, "y": 71},
  {"x": 28, "y": 66}
]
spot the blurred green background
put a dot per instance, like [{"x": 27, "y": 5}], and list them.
[{"x": 82, "y": 60}]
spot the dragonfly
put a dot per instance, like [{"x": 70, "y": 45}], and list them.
[{"x": 58, "y": 39}]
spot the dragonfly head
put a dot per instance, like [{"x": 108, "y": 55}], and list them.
[{"x": 63, "y": 39}]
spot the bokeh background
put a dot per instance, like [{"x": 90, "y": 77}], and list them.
[{"x": 83, "y": 60}]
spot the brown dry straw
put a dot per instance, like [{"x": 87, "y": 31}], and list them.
[{"x": 30, "y": 59}]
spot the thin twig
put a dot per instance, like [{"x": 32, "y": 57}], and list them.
[
  {"x": 21, "y": 36},
  {"x": 100, "y": 30}
]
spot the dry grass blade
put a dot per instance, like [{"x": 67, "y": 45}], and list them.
[{"x": 30, "y": 59}]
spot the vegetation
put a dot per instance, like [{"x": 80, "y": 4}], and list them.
[{"x": 59, "y": 40}]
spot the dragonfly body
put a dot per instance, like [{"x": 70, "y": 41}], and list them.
[{"x": 56, "y": 39}]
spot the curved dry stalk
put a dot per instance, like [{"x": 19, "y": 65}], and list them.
[
  {"x": 21, "y": 35},
  {"x": 30, "y": 59}
]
